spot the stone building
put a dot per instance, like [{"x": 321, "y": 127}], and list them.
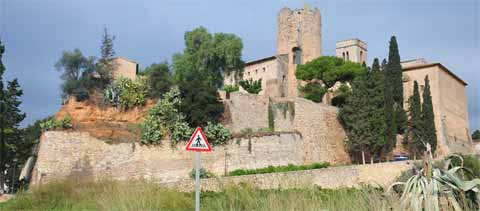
[
  {"x": 449, "y": 103},
  {"x": 124, "y": 68},
  {"x": 299, "y": 40}
]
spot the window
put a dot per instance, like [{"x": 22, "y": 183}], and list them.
[
  {"x": 283, "y": 79},
  {"x": 248, "y": 73},
  {"x": 348, "y": 57},
  {"x": 297, "y": 55},
  {"x": 343, "y": 54},
  {"x": 256, "y": 71},
  {"x": 264, "y": 69},
  {"x": 361, "y": 55}
]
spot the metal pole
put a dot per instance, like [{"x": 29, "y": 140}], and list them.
[{"x": 197, "y": 181}]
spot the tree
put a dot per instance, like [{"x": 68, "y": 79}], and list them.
[
  {"x": 76, "y": 74},
  {"x": 428, "y": 118},
  {"x": 159, "y": 79},
  {"x": 199, "y": 72},
  {"x": 251, "y": 86},
  {"x": 363, "y": 115},
  {"x": 394, "y": 113},
  {"x": 328, "y": 70},
  {"x": 476, "y": 135},
  {"x": 211, "y": 56},
  {"x": 10, "y": 118},
  {"x": 353, "y": 117},
  {"x": 200, "y": 102},
  {"x": 105, "y": 66},
  {"x": 414, "y": 135}
]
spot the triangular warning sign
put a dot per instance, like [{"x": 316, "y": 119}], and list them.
[{"x": 198, "y": 142}]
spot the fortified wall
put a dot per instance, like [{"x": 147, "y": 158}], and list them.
[{"x": 305, "y": 132}]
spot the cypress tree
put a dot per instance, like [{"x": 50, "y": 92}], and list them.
[
  {"x": 376, "y": 101},
  {"x": 354, "y": 118},
  {"x": 414, "y": 136},
  {"x": 3, "y": 128},
  {"x": 395, "y": 116},
  {"x": 428, "y": 119}
]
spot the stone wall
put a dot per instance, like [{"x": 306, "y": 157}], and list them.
[
  {"x": 323, "y": 136},
  {"x": 380, "y": 174},
  {"x": 78, "y": 155}
]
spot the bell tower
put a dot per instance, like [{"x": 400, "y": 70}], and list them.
[{"x": 300, "y": 37}]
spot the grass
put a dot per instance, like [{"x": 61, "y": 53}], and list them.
[
  {"x": 141, "y": 195},
  {"x": 273, "y": 169}
]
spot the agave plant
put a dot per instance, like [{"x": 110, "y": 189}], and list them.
[{"x": 434, "y": 189}]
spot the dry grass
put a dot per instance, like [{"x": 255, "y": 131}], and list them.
[{"x": 141, "y": 195}]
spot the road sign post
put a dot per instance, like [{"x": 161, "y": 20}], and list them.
[{"x": 198, "y": 143}]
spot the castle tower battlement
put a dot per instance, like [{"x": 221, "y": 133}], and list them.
[{"x": 300, "y": 37}]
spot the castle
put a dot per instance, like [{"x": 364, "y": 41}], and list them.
[{"x": 299, "y": 40}]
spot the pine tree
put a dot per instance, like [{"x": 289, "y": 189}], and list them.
[
  {"x": 414, "y": 135},
  {"x": 428, "y": 119},
  {"x": 106, "y": 66},
  {"x": 394, "y": 71}
]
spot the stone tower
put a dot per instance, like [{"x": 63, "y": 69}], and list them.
[
  {"x": 353, "y": 50},
  {"x": 300, "y": 37}
]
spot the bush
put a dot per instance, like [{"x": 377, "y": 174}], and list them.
[
  {"x": 204, "y": 174},
  {"x": 126, "y": 93},
  {"x": 159, "y": 79},
  {"x": 313, "y": 92},
  {"x": 53, "y": 124},
  {"x": 251, "y": 86},
  {"x": 273, "y": 169},
  {"x": 231, "y": 88},
  {"x": 217, "y": 134},
  {"x": 164, "y": 118}
]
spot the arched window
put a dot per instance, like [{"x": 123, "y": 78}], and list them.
[
  {"x": 361, "y": 55},
  {"x": 343, "y": 54},
  {"x": 348, "y": 57},
  {"x": 297, "y": 55}
]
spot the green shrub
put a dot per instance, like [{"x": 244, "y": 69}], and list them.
[
  {"x": 313, "y": 92},
  {"x": 273, "y": 169},
  {"x": 164, "y": 118},
  {"x": 217, "y": 134},
  {"x": 53, "y": 124},
  {"x": 251, "y": 86},
  {"x": 230, "y": 88},
  {"x": 126, "y": 93},
  {"x": 204, "y": 174},
  {"x": 470, "y": 162}
]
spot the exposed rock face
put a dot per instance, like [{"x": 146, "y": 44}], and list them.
[{"x": 108, "y": 123}]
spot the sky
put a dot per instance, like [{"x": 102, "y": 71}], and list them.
[{"x": 35, "y": 32}]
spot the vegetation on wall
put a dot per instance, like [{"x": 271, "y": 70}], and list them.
[
  {"x": 275, "y": 169},
  {"x": 251, "y": 86},
  {"x": 204, "y": 174},
  {"x": 230, "y": 88},
  {"x": 54, "y": 124},
  {"x": 322, "y": 73}
]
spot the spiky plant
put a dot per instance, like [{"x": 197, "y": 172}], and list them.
[{"x": 434, "y": 189}]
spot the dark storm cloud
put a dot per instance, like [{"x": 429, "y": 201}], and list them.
[{"x": 35, "y": 33}]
